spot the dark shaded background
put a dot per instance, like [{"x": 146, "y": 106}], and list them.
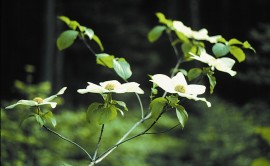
[{"x": 29, "y": 30}]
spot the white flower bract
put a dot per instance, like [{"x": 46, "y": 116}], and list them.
[
  {"x": 198, "y": 35},
  {"x": 39, "y": 101},
  {"x": 112, "y": 86},
  {"x": 222, "y": 64},
  {"x": 178, "y": 84}
]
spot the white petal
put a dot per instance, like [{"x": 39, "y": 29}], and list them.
[
  {"x": 50, "y": 98},
  {"x": 201, "y": 34},
  {"x": 206, "y": 57},
  {"x": 225, "y": 65},
  {"x": 179, "y": 78},
  {"x": 23, "y": 102},
  {"x": 82, "y": 91},
  {"x": 163, "y": 82},
  {"x": 53, "y": 104},
  {"x": 61, "y": 91},
  {"x": 195, "y": 89},
  {"x": 114, "y": 82},
  {"x": 214, "y": 39},
  {"x": 91, "y": 88},
  {"x": 132, "y": 87},
  {"x": 194, "y": 97},
  {"x": 180, "y": 27}
]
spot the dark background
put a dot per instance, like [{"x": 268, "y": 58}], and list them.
[{"x": 29, "y": 30}]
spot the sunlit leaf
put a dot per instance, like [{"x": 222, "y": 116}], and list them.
[
  {"x": 222, "y": 40},
  {"x": 97, "y": 40},
  {"x": 194, "y": 73},
  {"x": 182, "y": 37},
  {"x": 66, "y": 39},
  {"x": 220, "y": 49},
  {"x": 89, "y": 33},
  {"x": 155, "y": 33},
  {"x": 238, "y": 53},
  {"x": 182, "y": 115},
  {"x": 261, "y": 161},
  {"x": 122, "y": 68},
  {"x": 64, "y": 19},
  {"x": 247, "y": 45},
  {"x": 73, "y": 25},
  {"x": 105, "y": 60},
  {"x": 162, "y": 19},
  {"x": 157, "y": 105},
  {"x": 234, "y": 41}
]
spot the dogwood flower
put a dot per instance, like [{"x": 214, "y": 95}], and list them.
[
  {"x": 39, "y": 101},
  {"x": 222, "y": 64},
  {"x": 198, "y": 35},
  {"x": 112, "y": 86},
  {"x": 178, "y": 85}
]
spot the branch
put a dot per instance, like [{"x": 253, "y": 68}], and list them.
[
  {"x": 66, "y": 139},
  {"x": 88, "y": 46},
  {"x": 99, "y": 139},
  {"x": 122, "y": 140}
]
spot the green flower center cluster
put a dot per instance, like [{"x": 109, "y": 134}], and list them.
[
  {"x": 39, "y": 100},
  {"x": 180, "y": 88},
  {"x": 110, "y": 86}
]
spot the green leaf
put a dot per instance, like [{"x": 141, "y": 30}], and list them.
[
  {"x": 91, "y": 113},
  {"x": 194, "y": 73},
  {"x": 247, "y": 45},
  {"x": 188, "y": 47},
  {"x": 105, "y": 60},
  {"x": 173, "y": 100},
  {"x": 182, "y": 37},
  {"x": 238, "y": 53},
  {"x": 64, "y": 19},
  {"x": 97, "y": 40},
  {"x": 155, "y": 33},
  {"x": 212, "y": 81},
  {"x": 89, "y": 33},
  {"x": 182, "y": 115},
  {"x": 220, "y": 49},
  {"x": 162, "y": 19},
  {"x": 157, "y": 105},
  {"x": 122, "y": 104},
  {"x": 82, "y": 28},
  {"x": 222, "y": 40},
  {"x": 122, "y": 68},
  {"x": 49, "y": 116},
  {"x": 40, "y": 120},
  {"x": 73, "y": 25},
  {"x": 261, "y": 161},
  {"x": 107, "y": 114},
  {"x": 234, "y": 41},
  {"x": 66, "y": 39}
]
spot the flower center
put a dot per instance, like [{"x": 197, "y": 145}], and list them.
[
  {"x": 180, "y": 88},
  {"x": 110, "y": 86},
  {"x": 39, "y": 100}
]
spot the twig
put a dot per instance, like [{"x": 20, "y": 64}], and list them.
[
  {"x": 99, "y": 139},
  {"x": 122, "y": 140},
  {"x": 66, "y": 139}
]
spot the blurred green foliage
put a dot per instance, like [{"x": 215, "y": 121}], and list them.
[{"x": 221, "y": 135}]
